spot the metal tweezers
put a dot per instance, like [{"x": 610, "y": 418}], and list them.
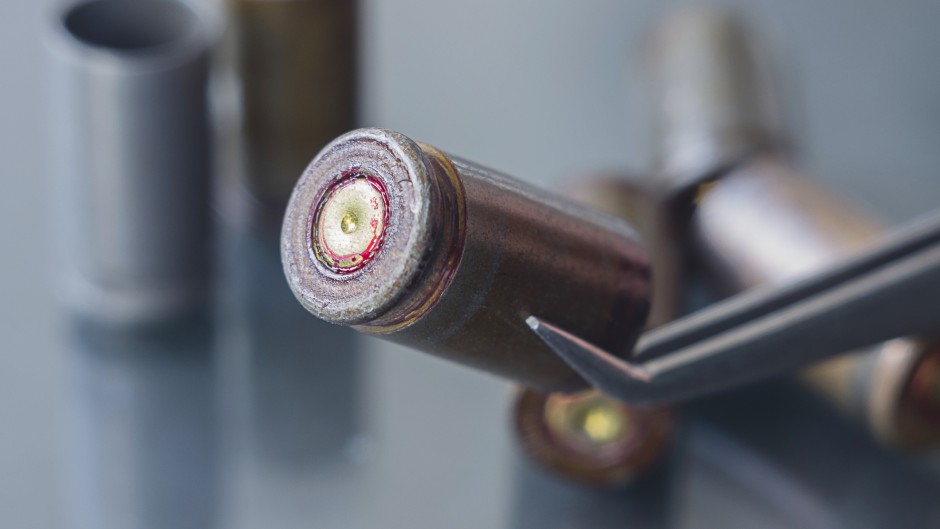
[{"x": 890, "y": 291}]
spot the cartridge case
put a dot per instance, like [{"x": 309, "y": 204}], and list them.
[
  {"x": 740, "y": 211},
  {"x": 766, "y": 224},
  {"x": 296, "y": 64},
  {"x": 712, "y": 93},
  {"x": 591, "y": 438},
  {"x": 130, "y": 147},
  {"x": 402, "y": 241}
]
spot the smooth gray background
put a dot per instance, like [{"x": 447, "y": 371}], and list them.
[{"x": 542, "y": 90}]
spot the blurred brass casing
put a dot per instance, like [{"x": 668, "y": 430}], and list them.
[
  {"x": 713, "y": 98},
  {"x": 467, "y": 254},
  {"x": 296, "y": 62},
  {"x": 590, "y": 438},
  {"x": 743, "y": 215},
  {"x": 766, "y": 224}
]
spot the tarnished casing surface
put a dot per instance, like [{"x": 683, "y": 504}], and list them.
[{"x": 519, "y": 252}]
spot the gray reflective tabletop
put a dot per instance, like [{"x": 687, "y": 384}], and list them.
[{"x": 261, "y": 416}]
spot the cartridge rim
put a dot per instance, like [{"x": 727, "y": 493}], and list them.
[{"x": 363, "y": 291}]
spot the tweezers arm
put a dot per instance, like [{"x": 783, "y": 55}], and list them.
[{"x": 897, "y": 297}]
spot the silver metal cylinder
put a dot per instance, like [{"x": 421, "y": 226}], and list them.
[{"x": 130, "y": 146}]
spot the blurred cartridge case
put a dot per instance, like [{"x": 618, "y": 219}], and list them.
[
  {"x": 713, "y": 99},
  {"x": 752, "y": 220},
  {"x": 296, "y": 63},
  {"x": 765, "y": 224},
  {"x": 130, "y": 146},
  {"x": 591, "y": 438},
  {"x": 402, "y": 241}
]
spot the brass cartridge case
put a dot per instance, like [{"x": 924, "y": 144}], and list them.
[
  {"x": 748, "y": 218},
  {"x": 591, "y": 438},
  {"x": 454, "y": 257},
  {"x": 766, "y": 224},
  {"x": 713, "y": 96},
  {"x": 296, "y": 62}
]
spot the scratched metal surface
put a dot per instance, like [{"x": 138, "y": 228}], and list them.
[{"x": 262, "y": 417}]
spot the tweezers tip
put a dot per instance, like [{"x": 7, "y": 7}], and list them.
[{"x": 533, "y": 323}]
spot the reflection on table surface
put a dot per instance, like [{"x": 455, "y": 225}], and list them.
[
  {"x": 261, "y": 416},
  {"x": 774, "y": 455},
  {"x": 142, "y": 440}
]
